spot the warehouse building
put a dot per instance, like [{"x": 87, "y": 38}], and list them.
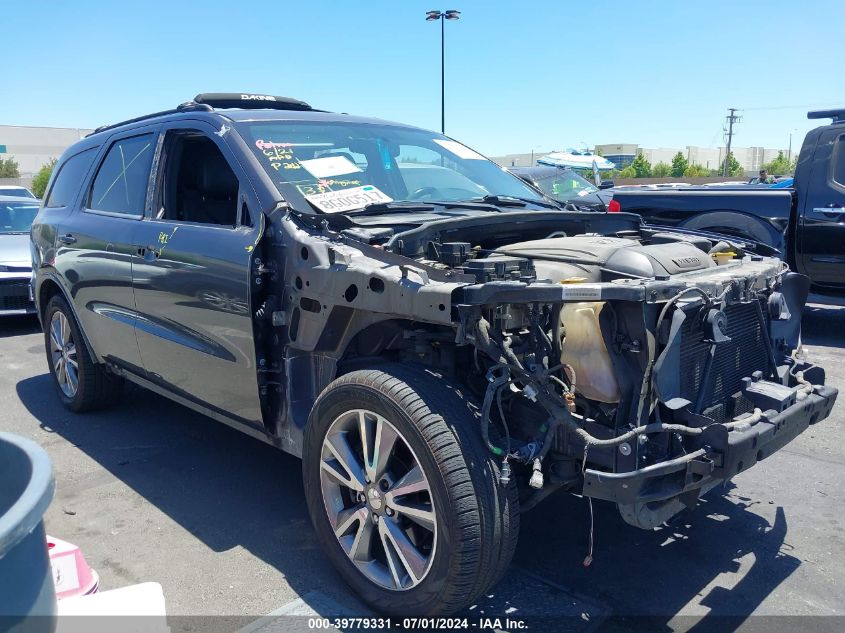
[{"x": 33, "y": 147}]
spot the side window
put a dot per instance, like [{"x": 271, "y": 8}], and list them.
[
  {"x": 839, "y": 161},
  {"x": 69, "y": 178},
  {"x": 121, "y": 182},
  {"x": 197, "y": 184}
]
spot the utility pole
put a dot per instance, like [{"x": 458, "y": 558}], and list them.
[{"x": 731, "y": 119}]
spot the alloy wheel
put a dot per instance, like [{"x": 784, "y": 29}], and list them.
[
  {"x": 63, "y": 353},
  {"x": 378, "y": 500}
]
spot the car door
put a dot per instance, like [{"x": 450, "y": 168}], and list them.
[
  {"x": 822, "y": 228},
  {"x": 191, "y": 274},
  {"x": 96, "y": 245}
]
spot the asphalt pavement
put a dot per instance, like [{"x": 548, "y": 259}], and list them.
[{"x": 152, "y": 491}]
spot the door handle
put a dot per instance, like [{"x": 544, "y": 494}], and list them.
[
  {"x": 831, "y": 210},
  {"x": 148, "y": 252},
  {"x": 67, "y": 239}
]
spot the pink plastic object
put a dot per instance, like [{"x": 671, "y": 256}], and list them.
[{"x": 71, "y": 574}]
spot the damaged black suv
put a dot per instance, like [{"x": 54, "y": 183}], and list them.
[{"x": 442, "y": 345}]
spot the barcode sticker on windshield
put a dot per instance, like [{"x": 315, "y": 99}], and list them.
[
  {"x": 581, "y": 292},
  {"x": 347, "y": 199},
  {"x": 461, "y": 151}
]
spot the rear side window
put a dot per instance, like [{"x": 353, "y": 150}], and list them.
[
  {"x": 121, "y": 182},
  {"x": 839, "y": 161},
  {"x": 69, "y": 178}
]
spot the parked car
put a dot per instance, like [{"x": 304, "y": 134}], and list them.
[
  {"x": 565, "y": 186},
  {"x": 15, "y": 191},
  {"x": 805, "y": 222},
  {"x": 16, "y": 216},
  {"x": 440, "y": 343}
]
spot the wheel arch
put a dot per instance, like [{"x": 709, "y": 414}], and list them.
[
  {"x": 50, "y": 286},
  {"x": 738, "y": 224},
  {"x": 360, "y": 340}
]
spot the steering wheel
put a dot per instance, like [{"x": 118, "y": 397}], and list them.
[{"x": 424, "y": 192}]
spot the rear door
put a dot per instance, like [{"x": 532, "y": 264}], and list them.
[
  {"x": 821, "y": 229},
  {"x": 191, "y": 274},
  {"x": 96, "y": 245}
]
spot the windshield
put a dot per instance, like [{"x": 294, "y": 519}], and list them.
[
  {"x": 16, "y": 192},
  {"x": 17, "y": 217},
  {"x": 338, "y": 167},
  {"x": 564, "y": 184}
]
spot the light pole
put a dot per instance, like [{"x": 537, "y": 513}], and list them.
[
  {"x": 789, "y": 151},
  {"x": 430, "y": 16}
]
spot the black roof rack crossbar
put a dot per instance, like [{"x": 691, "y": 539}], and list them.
[
  {"x": 837, "y": 114},
  {"x": 250, "y": 101},
  {"x": 189, "y": 106}
]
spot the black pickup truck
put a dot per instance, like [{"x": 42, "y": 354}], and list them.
[{"x": 805, "y": 223}]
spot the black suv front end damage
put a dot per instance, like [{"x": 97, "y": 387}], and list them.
[
  {"x": 606, "y": 358},
  {"x": 644, "y": 392}
]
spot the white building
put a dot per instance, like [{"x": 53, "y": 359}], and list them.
[{"x": 33, "y": 147}]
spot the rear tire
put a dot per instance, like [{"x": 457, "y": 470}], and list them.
[
  {"x": 82, "y": 384},
  {"x": 473, "y": 518}
]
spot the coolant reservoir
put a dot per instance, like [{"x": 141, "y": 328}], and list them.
[{"x": 584, "y": 350}]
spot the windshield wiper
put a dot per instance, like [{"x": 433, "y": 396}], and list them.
[
  {"x": 411, "y": 206},
  {"x": 377, "y": 208},
  {"x": 515, "y": 201}
]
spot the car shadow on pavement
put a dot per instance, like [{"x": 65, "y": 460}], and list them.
[
  {"x": 19, "y": 325},
  {"x": 823, "y": 325},
  {"x": 229, "y": 490},
  {"x": 706, "y": 570},
  {"x": 224, "y": 487}
]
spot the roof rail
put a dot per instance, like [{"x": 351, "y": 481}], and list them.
[
  {"x": 209, "y": 101},
  {"x": 837, "y": 114},
  {"x": 188, "y": 106},
  {"x": 250, "y": 101}
]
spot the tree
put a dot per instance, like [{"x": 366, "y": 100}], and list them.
[
  {"x": 641, "y": 166},
  {"x": 696, "y": 171},
  {"x": 661, "y": 170},
  {"x": 779, "y": 166},
  {"x": 734, "y": 168},
  {"x": 9, "y": 168},
  {"x": 40, "y": 180},
  {"x": 628, "y": 172},
  {"x": 679, "y": 165}
]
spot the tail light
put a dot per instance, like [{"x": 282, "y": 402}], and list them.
[{"x": 614, "y": 206}]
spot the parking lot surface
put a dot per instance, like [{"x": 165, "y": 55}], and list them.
[{"x": 152, "y": 491}]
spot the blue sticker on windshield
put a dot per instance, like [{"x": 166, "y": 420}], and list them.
[{"x": 384, "y": 153}]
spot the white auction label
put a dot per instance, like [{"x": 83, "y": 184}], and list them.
[{"x": 329, "y": 166}]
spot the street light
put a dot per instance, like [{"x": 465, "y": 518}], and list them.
[
  {"x": 430, "y": 16},
  {"x": 789, "y": 151}
]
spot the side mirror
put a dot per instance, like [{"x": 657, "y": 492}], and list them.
[{"x": 606, "y": 184}]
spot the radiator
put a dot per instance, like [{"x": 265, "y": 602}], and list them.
[{"x": 733, "y": 361}]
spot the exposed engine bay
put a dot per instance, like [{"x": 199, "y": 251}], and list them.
[{"x": 618, "y": 361}]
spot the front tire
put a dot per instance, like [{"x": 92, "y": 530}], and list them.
[
  {"x": 403, "y": 495},
  {"x": 82, "y": 384}
]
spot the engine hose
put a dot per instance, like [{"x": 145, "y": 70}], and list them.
[
  {"x": 806, "y": 387},
  {"x": 495, "y": 384},
  {"x": 748, "y": 419},
  {"x": 504, "y": 421},
  {"x": 482, "y": 330}
]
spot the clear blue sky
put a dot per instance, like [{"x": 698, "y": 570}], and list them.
[{"x": 520, "y": 75}]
